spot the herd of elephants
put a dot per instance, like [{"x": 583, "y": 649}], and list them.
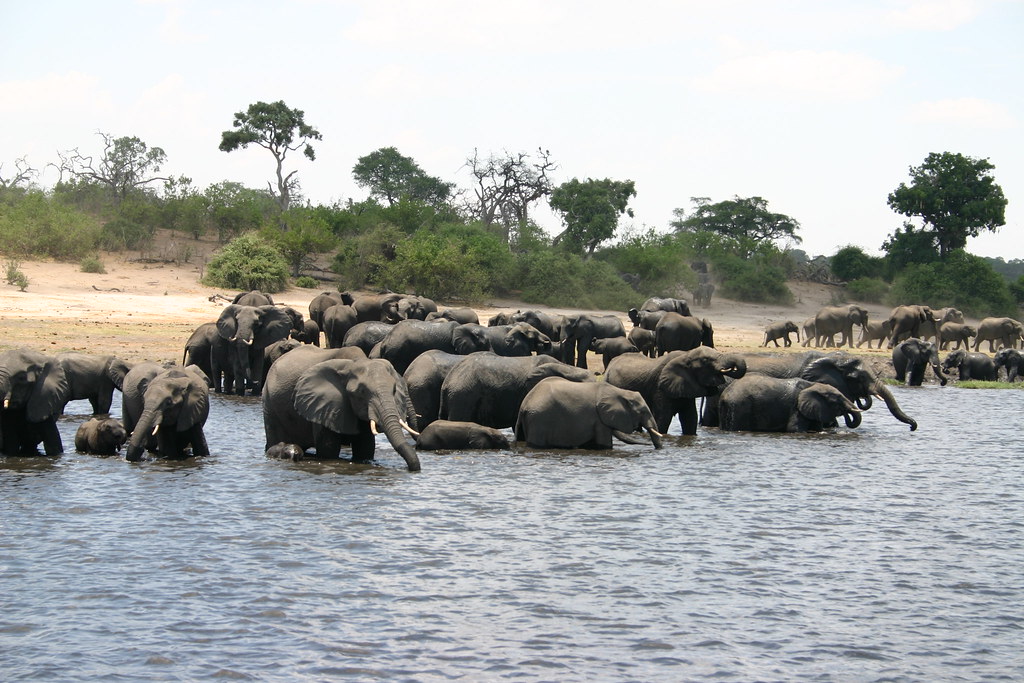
[{"x": 439, "y": 379}]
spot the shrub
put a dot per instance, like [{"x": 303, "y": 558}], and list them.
[
  {"x": 852, "y": 263},
  {"x": 659, "y": 262},
  {"x": 360, "y": 259},
  {"x": 32, "y": 224},
  {"x": 961, "y": 280},
  {"x": 247, "y": 263},
  {"x": 870, "y": 289},
  {"x": 307, "y": 282},
  {"x": 755, "y": 279},
  {"x": 555, "y": 278},
  {"x": 91, "y": 264},
  {"x": 122, "y": 233}
]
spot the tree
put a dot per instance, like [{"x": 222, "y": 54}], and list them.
[
  {"x": 389, "y": 176},
  {"x": 276, "y": 128},
  {"x": 591, "y": 210},
  {"x": 908, "y": 245},
  {"x": 851, "y": 263},
  {"x": 747, "y": 220},
  {"x": 505, "y": 187},
  {"x": 955, "y": 196},
  {"x": 125, "y": 165},
  {"x": 307, "y": 235}
]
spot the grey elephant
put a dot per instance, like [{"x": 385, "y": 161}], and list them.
[
  {"x": 410, "y": 338},
  {"x": 33, "y": 391},
  {"x": 559, "y": 413},
  {"x": 424, "y": 377},
  {"x": 656, "y": 303},
  {"x": 643, "y": 340},
  {"x": 647, "y": 320},
  {"x": 548, "y": 323},
  {"x": 285, "y": 451},
  {"x": 781, "y": 330},
  {"x": 100, "y": 436},
  {"x": 676, "y": 332},
  {"x": 832, "y": 320},
  {"x": 956, "y": 332},
  {"x": 367, "y": 335},
  {"x": 338, "y": 320},
  {"x": 875, "y": 330},
  {"x": 246, "y": 331},
  {"x": 912, "y": 357},
  {"x": 907, "y": 321},
  {"x": 501, "y": 318},
  {"x": 93, "y": 377},
  {"x": 671, "y": 383},
  {"x": 931, "y": 328},
  {"x": 758, "y": 403},
  {"x": 970, "y": 365},
  {"x": 164, "y": 410},
  {"x": 462, "y": 315},
  {"x": 325, "y": 404},
  {"x": 702, "y": 294},
  {"x": 517, "y": 339},
  {"x": 580, "y": 330},
  {"x": 487, "y": 388},
  {"x": 1012, "y": 360},
  {"x": 415, "y": 307},
  {"x": 200, "y": 349},
  {"x": 451, "y": 435},
  {"x": 378, "y": 308},
  {"x": 253, "y": 298},
  {"x": 319, "y": 304},
  {"x": 309, "y": 334},
  {"x": 810, "y": 334},
  {"x": 613, "y": 347},
  {"x": 1006, "y": 331}
]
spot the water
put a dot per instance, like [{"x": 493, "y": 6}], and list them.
[{"x": 876, "y": 554}]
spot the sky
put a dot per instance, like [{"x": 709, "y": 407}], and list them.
[{"x": 819, "y": 107}]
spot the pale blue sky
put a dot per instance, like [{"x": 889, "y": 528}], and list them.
[{"x": 819, "y": 107}]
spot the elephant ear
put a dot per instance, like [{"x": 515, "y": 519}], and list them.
[
  {"x": 321, "y": 397},
  {"x": 197, "y": 400},
  {"x": 614, "y": 409},
  {"x": 678, "y": 377},
  {"x": 116, "y": 370},
  {"x": 824, "y": 370},
  {"x": 276, "y": 325},
  {"x": 227, "y": 326},
  {"x": 569, "y": 372},
  {"x": 811, "y": 404},
  {"x": 50, "y": 393}
]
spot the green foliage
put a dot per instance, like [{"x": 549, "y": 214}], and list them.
[
  {"x": 955, "y": 196},
  {"x": 758, "y": 279},
  {"x": 981, "y": 384},
  {"x": 908, "y": 245},
  {"x": 591, "y": 210},
  {"x": 869, "y": 289},
  {"x": 122, "y": 233},
  {"x": 184, "y": 208},
  {"x": 305, "y": 235},
  {"x": 1011, "y": 270},
  {"x": 307, "y": 282},
  {"x": 246, "y": 263},
  {"x": 746, "y": 220},
  {"x": 126, "y": 165},
  {"x": 962, "y": 280},
  {"x": 659, "y": 263},
  {"x": 361, "y": 258},
  {"x": 852, "y": 263},
  {"x": 91, "y": 264},
  {"x": 1017, "y": 290},
  {"x": 235, "y": 209},
  {"x": 32, "y": 224},
  {"x": 556, "y": 278},
  {"x": 389, "y": 176}
]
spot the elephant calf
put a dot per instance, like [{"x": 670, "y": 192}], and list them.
[
  {"x": 956, "y": 332},
  {"x": 971, "y": 365},
  {"x": 612, "y": 347},
  {"x": 100, "y": 436},
  {"x": 758, "y": 403},
  {"x": 781, "y": 330},
  {"x": 454, "y": 435}
]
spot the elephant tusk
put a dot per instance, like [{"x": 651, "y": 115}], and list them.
[
  {"x": 7, "y": 403},
  {"x": 409, "y": 429},
  {"x": 373, "y": 428},
  {"x": 156, "y": 428},
  {"x": 233, "y": 339},
  {"x": 655, "y": 432}
]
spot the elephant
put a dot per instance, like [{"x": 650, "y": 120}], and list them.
[
  {"x": 285, "y": 451},
  {"x": 247, "y": 330},
  {"x": 253, "y": 298},
  {"x": 682, "y": 332},
  {"x": 416, "y": 307},
  {"x": 810, "y": 333},
  {"x": 309, "y": 334},
  {"x": 759, "y": 403},
  {"x": 273, "y": 353},
  {"x": 487, "y": 388},
  {"x": 378, "y": 308},
  {"x": 906, "y": 322},
  {"x": 1006, "y": 331},
  {"x": 647, "y": 320},
  {"x": 460, "y": 315},
  {"x": 702, "y": 294},
  {"x": 662, "y": 304},
  {"x": 912, "y": 357},
  {"x": 846, "y": 372},
  {"x": 581, "y": 329},
  {"x": 832, "y": 320},
  {"x": 1012, "y": 360},
  {"x": 164, "y": 410},
  {"x": 781, "y": 330},
  {"x": 324, "y": 300},
  {"x": 324, "y": 404},
  {"x": 338, "y": 320},
  {"x": 410, "y": 338},
  {"x": 366, "y": 335},
  {"x": 971, "y": 364},
  {"x": 459, "y": 436},
  {"x": 33, "y": 391},
  {"x": 876, "y": 330},
  {"x": 502, "y": 318},
  {"x": 612, "y": 347},
  {"x": 200, "y": 349},
  {"x": 517, "y": 339},
  {"x": 100, "y": 436},
  {"x": 548, "y": 323},
  {"x": 931, "y": 328},
  {"x": 424, "y": 377},
  {"x": 560, "y": 413},
  {"x": 643, "y": 340},
  {"x": 93, "y": 377},
  {"x": 671, "y": 383},
  {"x": 956, "y": 332}
]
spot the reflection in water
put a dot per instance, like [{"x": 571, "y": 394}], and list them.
[{"x": 871, "y": 554}]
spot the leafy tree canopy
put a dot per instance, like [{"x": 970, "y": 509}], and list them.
[
  {"x": 125, "y": 165},
  {"x": 591, "y": 210},
  {"x": 908, "y": 245},
  {"x": 389, "y": 176},
  {"x": 746, "y": 219},
  {"x": 851, "y": 262},
  {"x": 277, "y": 128},
  {"x": 955, "y": 196}
]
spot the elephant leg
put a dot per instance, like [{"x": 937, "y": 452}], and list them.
[
  {"x": 197, "y": 438},
  {"x": 52, "y": 444},
  {"x": 363, "y": 446},
  {"x": 688, "y": 417},
  {"x": 327, "y": 444}
]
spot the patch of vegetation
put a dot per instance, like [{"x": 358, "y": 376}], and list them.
[
  {"x": 123, "y": 233},
  {"x": 31, "y": 224},
  {"x": 870, "y": 289},
  {"x": 961, "y": 280},
  {"x": 555, "y": 278},
  {"x": 979, "y": 384},
  {"x": 14, "y": 276},
  {"x": 91, "y": 264},
  {"x": 248, "y": 263},
  {"x": 307, "y": 282}
]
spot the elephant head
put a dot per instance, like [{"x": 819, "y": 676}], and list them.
[
  {"x": 856, "y": 381},
  {"x": 954, "y": 360},
  {"x": 699, "y": 372},
  {"x": 36, "y": 384},
  {"x": 625, "y": 412},
  {"x": 467, "y": 339},
  {"x": 707, "y": 333},
  {"x": 822, "y": 403},
  {"x": 1008, "y": 358},
  {"x": 256, "y": 326},
  {"x": 527, "y": 338},
  {"x": 347, "y": 398},
  {"x": 175, "y": 405}
]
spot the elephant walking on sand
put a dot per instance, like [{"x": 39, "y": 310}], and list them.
[
  {"x": 758, "y": 403},
  {"x": 912, "y": 357},
  {"x": 781, "y": 330},
  {"x": 832, "y": 320},
  {"x": 876, "y": 330},
  {"x": 559, "y": 413},
  {"x": 909, "y": 321},
  {"x": 1006, "y": 332}
]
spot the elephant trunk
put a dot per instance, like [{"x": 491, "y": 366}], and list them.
[
  {"x": 864, "y": 402},
  {"x": 389, "y": 422},
  {"x": 652, "y": 429},
  {"x": 148, "y": 421},
  {"x": 852, "y": 419},
  {"x": 884, "y": 393}
]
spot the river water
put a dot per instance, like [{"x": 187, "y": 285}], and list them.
[{"x": 874, "y": 554}]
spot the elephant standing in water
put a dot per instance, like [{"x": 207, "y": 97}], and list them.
[
  {"x": 93, "y": 377},
  {"x": 409, "y": 338},
  {"x": 1012, "y": 360},
  {"x": 758, "y": 403},
  {"x": 245, "y": 331},
  {"x": 560, "y": 413},
  {"x": 424, "y": 377},
  {"x": 324, "y": 404},
  {"x": 33, "y": 391},
  {"x": 164, "y": 410},
  {"x": 971, "y": 365},
  {"x": 579, "y": 331},
  {"x": 912, "y": 357},
  {"x": 100, "y": 436}
]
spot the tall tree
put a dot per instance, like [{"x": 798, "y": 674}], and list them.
[
  {"x": 955, "y": 196},
  {"x": 591, "y": 210},
  {"x": 126, "y": 164},
  {"x": 506, "y": 186},
  {"x": 279, "y": 129},
  {"x": 745, "y": 219},
  {"x": 389, "y": 176}
]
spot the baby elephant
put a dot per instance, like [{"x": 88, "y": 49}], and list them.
[
  {"x": 644, "y": 341},
  {"x": 285, "y": 451},
  {"x": 612, "y": 347},
  {"x": 758, "y": 403},
  {"x": 971, "y": 364},
  {"x": 781, "y": 330},
  {"x": 100, "y": 436},
  {"x": 458, "y": 436}
]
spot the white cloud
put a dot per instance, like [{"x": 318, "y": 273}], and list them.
[
  {"x": 965, "y": 111},
  {"x": 932, "y": 15},
  {"x": 834, "y": 75}
]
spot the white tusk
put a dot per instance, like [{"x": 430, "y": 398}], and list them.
[
  {"x": 156, "y": 428},
  {"x": 7, "y": 403},
  {"x": 373, "y": 428},
  {"x": 656, "y": 433},
  {"x": 409, "y": 429}
]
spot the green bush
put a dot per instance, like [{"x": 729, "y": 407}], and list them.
[
  {"x": 307, "y": 282},
  {"x": 869, "y": 289},
  {"x": 91, "y": 264},
  {"x": 852, "y": 263},
  {"x": 360, "y": 259},
  {"x": 122, "y": 233},
  {"x": 556, "y": 278},
  {"x": 33, "y": 224},
  {"x": 659, "y": 263},
  {"x": 247, "y": 263},
  {"x": 755, "y": 279},
  {"x": 961, "y": 280}
]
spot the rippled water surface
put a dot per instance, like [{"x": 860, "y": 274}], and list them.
[{"x": 876, "y": 554}]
